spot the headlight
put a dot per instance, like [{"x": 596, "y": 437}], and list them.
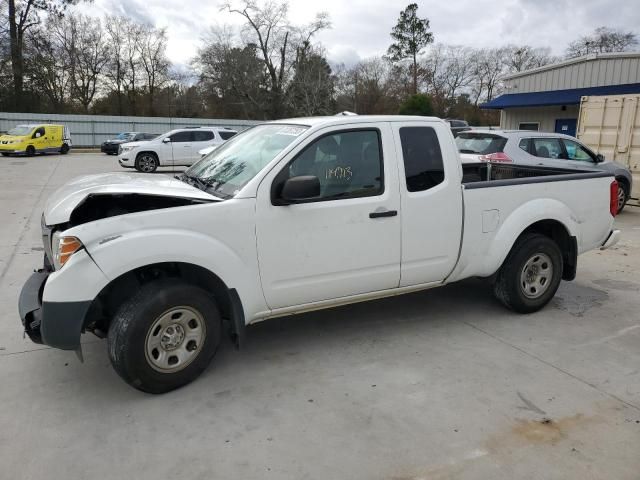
[
  {"x": 126, "y": 149},
  {"x": 62, "y": 247}
]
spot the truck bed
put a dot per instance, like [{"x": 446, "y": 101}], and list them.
[
  {"x": 501, "y": 201},
  {"x": 483, "y": 174}
]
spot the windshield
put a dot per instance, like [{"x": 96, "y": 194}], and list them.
[
  {"x": 480, "y": 143},
  {"x": 125, "y": 136},
  {"x": 20, "y": 130},
  {"x": 231, "y": 166}
]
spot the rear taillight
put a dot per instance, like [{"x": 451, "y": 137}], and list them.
[
  {"x": 613, "y": 198},
  {"x": 498, "y": 157}
]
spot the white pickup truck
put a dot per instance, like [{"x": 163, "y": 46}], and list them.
[{"x": 292, "y": 216}]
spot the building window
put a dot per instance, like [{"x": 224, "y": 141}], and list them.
[{"x": 532, "y": 126}]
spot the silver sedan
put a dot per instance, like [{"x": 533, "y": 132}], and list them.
[{"x": 539, "y": 148}]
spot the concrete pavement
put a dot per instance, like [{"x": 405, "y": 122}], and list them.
[{"x": 438, "y": 384}]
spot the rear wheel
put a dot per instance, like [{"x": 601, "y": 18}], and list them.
[
  {"x": 64, "y": 149},
  {"x": 623, "y": 195},
  {"x": 147, "y": 162},
  {"x": 165, "y": 336},
  {"x": 530, "y": 275},
  {"x": 30, "y": 151}
]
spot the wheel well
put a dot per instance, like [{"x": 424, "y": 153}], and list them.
[
  {"x": 568, "y": 244},
  {"x": 148, "y": 151},
  {"x": 625, "y": 182},
  {"x": 119, "y": 290}
]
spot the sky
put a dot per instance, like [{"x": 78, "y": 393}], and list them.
[{"x": 360, "y": 28}]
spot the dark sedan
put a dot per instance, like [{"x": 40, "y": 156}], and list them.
[{"x": 111, "y": 146}]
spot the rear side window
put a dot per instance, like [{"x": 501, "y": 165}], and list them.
[
  {"x": 226, "y": 135},
  {"x": 480, "y": 143},
  {"x": 422, "y": 156},
  {"x": 524, "y": 144},
  {"x": 202, "y": 135}
]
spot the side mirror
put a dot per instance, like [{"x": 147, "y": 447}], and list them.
[
  {"x": 599, "y": 158},
  {"x": 304, "y": 187},
  {"x": 166, "y": 140}
]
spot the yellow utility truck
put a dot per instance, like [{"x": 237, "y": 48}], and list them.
[{"x": 36, "y": 138}]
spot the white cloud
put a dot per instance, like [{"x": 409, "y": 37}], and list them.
[{"x": 361, "y": 27}]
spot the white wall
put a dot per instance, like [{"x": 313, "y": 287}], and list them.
[
  {"x": 92, "y": 130},
  {"x": 511, "y": 118}
]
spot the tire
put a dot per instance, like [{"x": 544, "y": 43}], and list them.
[
  {"x": 30, "y": 151},
  {"x": 141, "y": 342},
  {"x": 64, "y": 149},
  {"x": 5, "y": 154},
  {"x": 623, "y": 195},
  {"x": 147, "y": 162},
  {"x": 530, "y": 275}
]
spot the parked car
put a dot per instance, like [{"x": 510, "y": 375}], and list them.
[
  {"x": 111, "y": 146},
  {"x": 539, "y": 148},
  {"x": 174, "y": 148},
  {"x": 36, "y": 138},
  {"x": 291, "y": 216},
  {"x": 226, "y": 135},
  {"x": 457, "y": 126}
]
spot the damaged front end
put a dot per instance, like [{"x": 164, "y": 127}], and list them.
[{"x": 59, "y": 322}]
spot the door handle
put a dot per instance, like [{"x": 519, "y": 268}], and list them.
[{"x": 383, "y": 213}]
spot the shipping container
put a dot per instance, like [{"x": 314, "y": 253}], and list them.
[{"x": 610, "y": 125}]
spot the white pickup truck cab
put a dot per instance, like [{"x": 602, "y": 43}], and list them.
[{"x": 292, "y": 216}]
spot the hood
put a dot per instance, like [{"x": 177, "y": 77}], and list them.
[
  {"x": 13, "y": 137},
  {"x": 63, "y": 201},
  {"x": 135, "y": 144},
  {"x": 117, "y": 141},
  {"x": 207, "y": 150}
]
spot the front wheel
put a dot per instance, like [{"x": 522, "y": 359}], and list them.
[
  {"x": 30, "y": 151},
  {"x": 147, "y": 162},
  {"x": 164, "y": 336},
  {"x": 531, "y": 274}
]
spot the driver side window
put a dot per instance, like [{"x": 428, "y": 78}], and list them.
[
  {"x": 348, "y": 164},
  {"x": 39, "y": 132}
]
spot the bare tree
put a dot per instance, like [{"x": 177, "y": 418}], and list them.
[
  {"x": 23, "y": 15},
  {"x": 267, "y": 25},
  {"x": 488, "y": 67},
  {"x": 602, "y": 40},
  {"x": 151, "y": 48},
  {"x": 82, "y": 40},
  {"x": 117, "y": 30},
  {"x": 49, "y": 68},
  {"x": 519, "y": 58}
]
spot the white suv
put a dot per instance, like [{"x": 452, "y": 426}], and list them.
[{"x": 177, "y": 147}]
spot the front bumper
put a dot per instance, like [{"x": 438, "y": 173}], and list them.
[
  {"x": 57, "y": 324},
  {"x": 109, "y": 148},
  {"x": 612, "y": 239},
  {"x": 126, "y": 162}
]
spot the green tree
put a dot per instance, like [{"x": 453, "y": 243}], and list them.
[
  {"x": 311, "y": 90},
  {"x": 417, "y": 104},
  {"x": 411, "y": 34}
]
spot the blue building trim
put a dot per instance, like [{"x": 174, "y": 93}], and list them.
[{"x": 557, "y": 97}]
